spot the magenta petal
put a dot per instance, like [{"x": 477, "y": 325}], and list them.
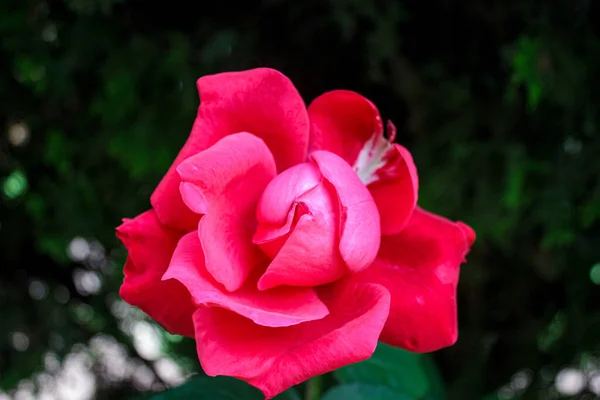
[
  {"x": 225, "y": 181},
  {"x": 420, "y": 267},
  {"x": 150, "y": 246},
  {"x": 274, "y": 359},
  {"x": 271, "y": 238},
  {"x": 279, "y": 196},
  {"x": 262, "y": 101},
  {"x": 193, "y": 197},
  {"x": 468, "y": 232},
  {"x": 275, "y": 308},
  {"x": 341, "y": 121},
  {"x": 226, "y": 237},
  {"x": 349, "y": 125},
  {"x": 396, "y": 192},
  {"x": 360, "y": 232},
  {"x": 206, "y": 175},
  {"x": 310, "y": 256},
  {"x": 279, "y": 207}
]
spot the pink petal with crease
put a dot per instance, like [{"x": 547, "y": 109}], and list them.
[
  {"x": 360, "y": 232},
  {"x": 226, "y": 181},
  {"x": 274, "y": 359},
  {"x": 275, "y": 308}
]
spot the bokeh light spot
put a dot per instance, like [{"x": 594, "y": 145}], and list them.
[
  {"x": 20, "y": 341},
  {"x": 570, "y": 381},
  {"x": 15, "y": 185}
]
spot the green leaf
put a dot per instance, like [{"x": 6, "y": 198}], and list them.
[
  {"x": 219, "y": 388},
  {"x": 290, "y": 394},
  {"x": 410, "y": 374},
  {"x": 207, "y": 388},
  {"x": 362, "y": 391}
]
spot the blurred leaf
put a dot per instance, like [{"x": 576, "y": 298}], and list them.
[
  {"x": 219, "y": 388},
  {"x": 54, "y": 246},
  {"x": 361, "y": 391},
  {"x": 31, "y": 72},
  {"x": 513, "y": 194},
  {"x": 590, "y": 211},
  {"x": 526, "y": 68},
  {"x": 553, "y": 332},
  {"x": 56, "y": 151},
  {"x": 290, "y": 394},
  {"x": 411, "y": 374},
  {"x": 207, "y": 388}
]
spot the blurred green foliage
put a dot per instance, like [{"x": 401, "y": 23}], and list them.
[
  {"x": 408, "y": 375},
  {"x": 497, "y": 101}
]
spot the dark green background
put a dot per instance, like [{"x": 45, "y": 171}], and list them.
[{"x": 497, "y": 100}]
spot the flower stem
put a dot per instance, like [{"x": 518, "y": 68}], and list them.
[{"x": 313, "y": 388}]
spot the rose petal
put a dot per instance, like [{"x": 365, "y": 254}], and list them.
[
  {"x": 277, "y": 199},
  {"x": 226, "y": 181},
  {"x": 206, "y": 175},
  {"x": 349, "y": 125},
  {"x": 420, "y": 268},
  {"x": 275, "y": 308},
  {"x": 274, "y": 359},
  {"x": 359, "y": 218},
  {"x": 279, "y": 209},
  {"x": 341, "y": 121},
  {"x": 396, "y": 193},
  {"x": 270, "y": 239},
  {"x": 150, "y": 246},
  {"x": 468, "y": 232},
  {"x": 262, "y": 101},
  {"x": 310, "y": 255}
]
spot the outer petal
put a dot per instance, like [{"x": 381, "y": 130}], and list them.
[
  {"x": 420, "y": 268},
  {"x": 275, "y": 308},
  {"x": 225, "y": 181},
  {"x": 150, "y": 247},
  {"x": 359, "y": 217},
  {"x": 349, "y": 125},
  {"x": 274, "y": 359},
  {"x": 342, "y": 121},
  {"x": 262, "y": 101},
  {"x": 396, "y": 192}
]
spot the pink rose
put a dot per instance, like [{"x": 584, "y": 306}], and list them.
[{"x": 287, "y": 240}]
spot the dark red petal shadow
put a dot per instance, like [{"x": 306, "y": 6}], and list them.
[
  {"x": 150, "y": 246},
  {"x": 420, "y": 267}
]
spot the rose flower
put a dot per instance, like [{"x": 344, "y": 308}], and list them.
[{"x": 287, "y": 240}]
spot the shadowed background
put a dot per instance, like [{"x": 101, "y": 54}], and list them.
[{"x": 499, "y": 103}]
